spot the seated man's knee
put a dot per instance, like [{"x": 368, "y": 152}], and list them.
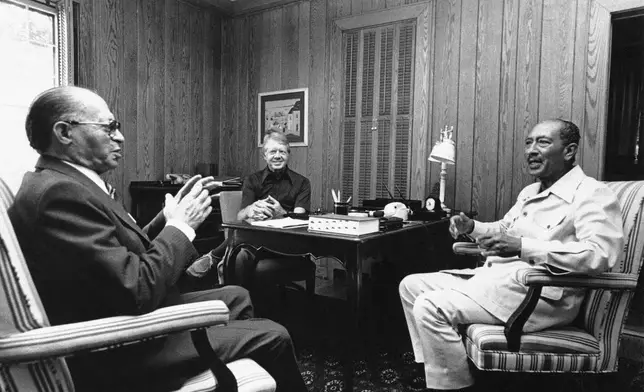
[
  {"x": 426, "y": 308},
  {"x": 409, "y": 285},
  {"x": 276, "y": 334},
  {"x": 239, "y": 291}
]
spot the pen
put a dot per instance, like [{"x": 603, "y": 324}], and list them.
[{"x": 349, "y": 199}]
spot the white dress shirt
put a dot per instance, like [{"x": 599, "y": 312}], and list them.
[{"x": 92, "y": 175}]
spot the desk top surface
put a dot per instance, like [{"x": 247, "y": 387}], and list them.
[{"x": 303, "y": 231}]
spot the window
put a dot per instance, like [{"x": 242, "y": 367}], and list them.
[
  {"x": 377, "y": 110},
  {"x": 34, "y": 51}
]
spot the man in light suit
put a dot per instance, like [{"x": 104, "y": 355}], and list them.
[
  {"x": 566, "y": 222},
  {"x": 89, "y": 259}
]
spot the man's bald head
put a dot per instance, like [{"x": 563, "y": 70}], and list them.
[{"x": 57, "y": 104}]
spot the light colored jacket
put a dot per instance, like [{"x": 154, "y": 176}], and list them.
[{"x": 573, "y": 226}]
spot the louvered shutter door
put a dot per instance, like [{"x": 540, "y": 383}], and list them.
[{"x": 376, "y": 123}]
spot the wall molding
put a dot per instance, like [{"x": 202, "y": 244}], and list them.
[{"x": 389, "y": 15}]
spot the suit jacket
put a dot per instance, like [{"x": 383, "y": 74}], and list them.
[
  {"x": 573, "y": 226},
  {"x": 87, "y": 256}
]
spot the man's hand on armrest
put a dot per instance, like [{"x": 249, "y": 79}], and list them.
[{"x": 499, "y": 244}]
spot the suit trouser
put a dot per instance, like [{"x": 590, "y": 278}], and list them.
[
  {"x": 433, "y": 310},
  {"x": 166, "y": 363}
]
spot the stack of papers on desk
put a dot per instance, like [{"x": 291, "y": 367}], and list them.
[{"x": 282, "y": 223}]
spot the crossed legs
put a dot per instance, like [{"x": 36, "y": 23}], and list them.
[{"x": 433, "y": 310}]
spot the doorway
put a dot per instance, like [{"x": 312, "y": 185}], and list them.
[{"x": 624, "y": 158}]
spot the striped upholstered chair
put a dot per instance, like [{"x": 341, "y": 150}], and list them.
[
  {"x": 590, "y": 344},
  {"x": 32, "y": 352}
]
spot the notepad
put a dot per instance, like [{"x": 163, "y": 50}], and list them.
[{"x": 281, "y": 223}]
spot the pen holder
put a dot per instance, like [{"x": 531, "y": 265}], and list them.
[{"x": 341, "y": 208}]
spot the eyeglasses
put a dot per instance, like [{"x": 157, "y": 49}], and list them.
[{"x": 111, "y": 126}]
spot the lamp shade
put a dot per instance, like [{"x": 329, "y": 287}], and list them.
[{"x": 444, "y": 152}]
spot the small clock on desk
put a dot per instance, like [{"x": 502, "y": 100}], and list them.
[
  {"x": 430, "y": 211},
  {"x": 433, "y": 204}
]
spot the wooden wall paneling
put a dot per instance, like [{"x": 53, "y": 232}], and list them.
[
  {"x": 596, "y": 89},
  {"x": 227, "y": 152},
  {"x": 487, "y": 108},
  {"x": 196, "y": 92},
  {"x": 254, "y": 76},
  {"x": 291, "y": 45},
  {"x": 579, "y": 72},
  {"x": 527, "y": 86},
  {"x": 265, "y": 75},
  {"x": 108, "y": 23},
  {"x": 238, "y": 135},
  {"x": 217, "y": 87},
  {"x": 504, "y": 199},
  {"x": 209, "y": 88},
  {"x": 557, "y": 50},
  {"x": 621, "y": 5},
  {"x": 265, "y": 70},
  {"x": 423, "y": 87},
  {"x": 313, "y": 158},
  {"x": 356, "y": 6},
  {"x": 184, "y": 127},
  {"x": 129, "y": 95},
  {"x": 333, "y": 125},
  {"x": 157, "y": 169},
  {"x": 393, "y": 3},
  {"x": 171, "y": 122},
  {"x": 290, "y": 74},
  {"x": 446, "y": 75},
  {"x": 377, "y": 5},
  {"x": 86, "y": 51},
  {"x": 339, "y": 8},
  {"x": 319, "y": 96},
  {"x": 464, "y": 135},
  {"x": 245, "y": 141},
  {"x": 272, "y": 52},
  {"x": 276, "y": 47}
]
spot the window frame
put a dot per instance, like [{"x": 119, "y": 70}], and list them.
[
  {"x": 423, "y": 13},
  {"x": 60, "y": 10}
]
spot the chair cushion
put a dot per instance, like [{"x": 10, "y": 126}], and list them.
[
  {"x": 567, "y": 349},
  {"x": 250, "y": 378},
  {"x": 569, "y": 339}
]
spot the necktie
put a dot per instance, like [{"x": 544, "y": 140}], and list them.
[{"x": 110, "y": 190}]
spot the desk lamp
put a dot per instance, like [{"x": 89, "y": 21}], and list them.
[{"x": 444, "y": 152}]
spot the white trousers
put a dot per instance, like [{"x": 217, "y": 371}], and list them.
[{"x": 433, "y": 311}]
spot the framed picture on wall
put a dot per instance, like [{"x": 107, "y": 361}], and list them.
[{"x": 284, "y": 111}]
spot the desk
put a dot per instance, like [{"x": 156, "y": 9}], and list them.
[{"x": 351, "y": 251}]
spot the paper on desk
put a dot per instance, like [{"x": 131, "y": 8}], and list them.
[{"x": 281, "y": 223}]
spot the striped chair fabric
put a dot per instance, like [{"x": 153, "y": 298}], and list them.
[
  {"x": 32, "y": 352},
  {"x": 589, "y": 346}
]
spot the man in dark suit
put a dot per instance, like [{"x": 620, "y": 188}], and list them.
[{"x": 89, "y": 259}]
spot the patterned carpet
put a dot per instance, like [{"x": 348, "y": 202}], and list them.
[{"x": 318, "y": 332}]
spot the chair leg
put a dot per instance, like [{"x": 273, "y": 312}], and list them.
[{"x": 310, "y": 287}]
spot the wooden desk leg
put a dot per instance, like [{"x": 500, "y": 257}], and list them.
[{"x": 353, "y": 263}]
